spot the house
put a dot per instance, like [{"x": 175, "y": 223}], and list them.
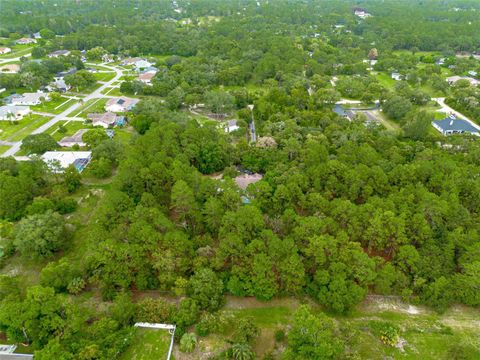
[
  {"x": 29, "y": 98},
  {"x": 345, "y": 113},
  {"x": 10, "y": 69},
  {"x": 25, "y": 41},
  {"x": 472, "y": 73},
  {"x": 75, "y": 139},
  {"x": 231, "y": 126},
  {"x": 5, "y": 50},
  {"x": 104, "y": 120},
  {"x": 130, "y": 61},
  {"x": 7, "y": 352},
  {"x": 142, "y": 64},
  {"x": 396, "y": 76},
  {"x": 361, "y": 13},
  {"x": 452, "y": 125},
  {"x": 59, "y": 85},
  {"x": 60, "y": 160},
  {"x": 106, "y": 58},
  {"x": 62, "y": 74},
  {"x": 146, "y": 78},
  {"x": 440, "y": 61},
  {"x": 453, "y": 79},
  {"x": 37, "y": 35},
  {"x": 120, "y": 104},
  {"x": 58, "y": 53},
  {"x": 244, "y": 180},
  {"x": 13, "y": 112}
]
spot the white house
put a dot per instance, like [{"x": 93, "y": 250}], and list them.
[
  {"x": 142, "y": 64},
  {"x": 58, "y": 53},
  {"x": 120, "y": 104},
  {"x": 396, "y": 76},
  {"x": 30, "y": 99},
  {"x": 231, "y": 126},
  {"x": 60, "y": 160},
  {"x": 5, "y": 50},
  {"x": 12, "y": 112}
]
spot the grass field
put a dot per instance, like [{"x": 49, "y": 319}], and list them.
[
  {"x": 3, "y": 148},
  {"x": 112, "y": 91},
  {"x": 17, "y": 51},
  {"x": 16, "y": 131},
  {"x": 148, "y": 344},
  {"x": 107, "y": 76},
  {"x": 422, "y": 333},
  {"x": 71, "y": 126},
  {"x": 91, "y": 106},
  {"x": 54, "y": 106}
]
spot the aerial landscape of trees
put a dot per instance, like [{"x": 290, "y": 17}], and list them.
[{"x": 156, "y": 228}]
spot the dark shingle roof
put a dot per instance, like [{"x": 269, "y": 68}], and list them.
[{"x": 457, "y": 125}]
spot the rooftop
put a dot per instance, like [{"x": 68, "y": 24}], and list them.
[
  {"x": 66, "y": 158},
  {"x": 456, "y": 125},
  {"x": 244, "y": 180}
]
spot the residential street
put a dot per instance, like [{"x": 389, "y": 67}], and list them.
[{"x": 97, "y": 94}]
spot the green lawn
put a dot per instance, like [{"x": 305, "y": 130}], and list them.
[
  {"x": 54, "y": 106},
  {"x": 71, "y": 126},
  {"x": 148, "y": 344},
  {"x": 3, "y": 148},
  {"x": 112, "y": 91},
  {"x": 16, "y": 131},
  {"x": 91, "y": 106},
  {"x": 427, "y": 335},
  {"x": 17, "y": 50},
  {"x": 104, "y": 76},
  {"x": 385, "y": 80}
]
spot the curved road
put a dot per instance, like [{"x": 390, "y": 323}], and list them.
[{"x": 95, "y": 94}]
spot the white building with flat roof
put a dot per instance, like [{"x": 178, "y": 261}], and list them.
[
  {"x": 30, "y": 99},
  {"x": 60, "y": 160}
]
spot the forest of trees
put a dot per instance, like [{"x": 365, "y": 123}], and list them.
[{"x": 343, "y": 209}]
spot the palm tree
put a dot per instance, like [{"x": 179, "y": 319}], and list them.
[{"x": 242, "y": 352}]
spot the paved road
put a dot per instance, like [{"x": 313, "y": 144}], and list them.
[
  {"x": 96, "y": 94},
  {"x": 3, "y": 61},
  {"x": 447, "y": 109}
]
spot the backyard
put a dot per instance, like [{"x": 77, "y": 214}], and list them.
[{"x": 148, "y": 344}]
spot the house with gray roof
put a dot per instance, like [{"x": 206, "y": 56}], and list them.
[{"x": 452, "y": 125}]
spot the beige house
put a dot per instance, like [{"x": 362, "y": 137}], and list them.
[
  {"x": 120, "y": 104},
  {"x": 104, "y": 120},
  {"x": 146, "y": 78},
  {"x": 5, "y": 50},
  {"x": 10, "y": 69}
]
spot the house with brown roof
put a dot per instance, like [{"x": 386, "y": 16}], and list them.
[
  {"x": 120, "y": 104},
  {"x": 75, "y": 139},
  {"x": 146, "y": 78},
  {"x": 25, "y": 41},
  {"x": 104, "y": 120},
  {"x": 246, "y": 179}
]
